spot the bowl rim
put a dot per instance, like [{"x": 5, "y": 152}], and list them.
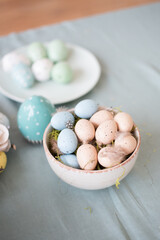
[{"x": 91, "y": 171}]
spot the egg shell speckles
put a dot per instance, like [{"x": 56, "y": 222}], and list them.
[
  {"x": 87, "y": 157},
  {"x": 70, "y": 160},
  {"x": 36, "y": 51},
  {"x": 127, "y": 143},
  {"x": 106, "y": 132},
  {"x": 67, "y": 141},
  {"x": 110, "y": 156},
  {"x": 86, "y": 108},
  {"x": 100, "y": 117},
  {"x": 13, "y": 58},
  {"x": 42, "y": 69},
  {"x": 23, "y": 76},
  {"x": 33, "y": 117},
  {"x": 84, "y": 130},
  {"x": 57, "y": 51},
  {"x": 60, "y": 120},
  {"x": 124, "y": 122}
]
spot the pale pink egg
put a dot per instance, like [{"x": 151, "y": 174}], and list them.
[
  {"x": 87, "y": 157},
  {"x": 110, "y": 156},
  {"x": 100, "y": 116},
  {"x": 84, "y": 130},
  {"x": 124, "y": 122},
  {"x": 127, "y": 144},
  {"x": 106, "y": 132},
  {"x": 13, "y": 58}
]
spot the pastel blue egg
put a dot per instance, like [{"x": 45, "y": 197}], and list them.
[
  {"x": 70, "y": 160},
  {"x": 67, "y": 141},
  {"x": 33, "y": 117},
  {"x": 22, "y": 75},
  {"x": 86, "y": 108},
  {"x": 60, "y": 120}
]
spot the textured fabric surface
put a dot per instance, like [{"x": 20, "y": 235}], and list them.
[{"x": 34, "y": 203}]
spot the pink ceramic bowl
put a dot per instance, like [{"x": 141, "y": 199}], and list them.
[{"x": 95, "y": 179}]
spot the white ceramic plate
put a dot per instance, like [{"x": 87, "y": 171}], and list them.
[{"x": 86, "y": 70}]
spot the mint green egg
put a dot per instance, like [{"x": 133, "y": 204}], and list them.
[
  {"x": 57, "y": 51},
  {"x": 33, "y": 117},
  {"x": 62, "y": 73},
  {"x": 36, "y": 51}
]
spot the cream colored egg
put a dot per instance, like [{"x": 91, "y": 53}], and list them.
[
  {"x": 4, "y": 134},
  {"x": 100, "y": 116},
  {"x": 87, "y": 157},
  {"x": 127, "y": 144},
  {"x": 106, "y": 132},
  {"x": 110, "y": 156},
  {"x": 124, "y": 122},
  {"x": 84, "y": 130}
]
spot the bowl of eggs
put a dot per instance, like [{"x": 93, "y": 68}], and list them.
[{"x": 90, "y": 146}]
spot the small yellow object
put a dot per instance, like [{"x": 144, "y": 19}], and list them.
[
  {"x": 118, "y": 108},
  {"x": 3, "y": 161},
  {"x": 117, "y": 181},
  {"x": 148, "y": 134},
  {"x": 89, "y": 208}
]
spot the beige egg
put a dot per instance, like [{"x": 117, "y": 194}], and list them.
[
  {"x": 110, "y": 156},
  {"x": 4, "y": 134},
  {"x": 84, "y": 130},
  {"x": 106, "y": 132},
  {"x": 124, "y": 122},
  {"x": 100, "y": 116},
  {"x": 87, "y": 157},
  {"x": 127, "y": 144}
]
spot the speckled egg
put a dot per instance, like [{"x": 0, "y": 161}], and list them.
[
  {"x": 87, "y": 157},
  {"x": 62, "y": 73},
  {"x": 36, "y": 51},
  {"x": 4, "y": 120},
  {"x": 33, "y": 117},
  {"x": 22, "y": 75},
  {"x": 100, "y": 116},
  {"x": 124, "y": 122},
  {"x": 13, "y": 58},
  {"x": 42, "y": 69},
  {"x": 61, "y": 120},
  {"x": 67, "y": 141},
  {"x": 86, "y": 108},
  {"x": 70, "y": 160},
  {"x": 3, "y": 161},
  {"x": 106, "y": 132},
  {"x": 84, "y": 130},
  {"x": 110, "y": 156},
  {"x": 57, "y": 51},
  {"x": 127, "y": 144}
]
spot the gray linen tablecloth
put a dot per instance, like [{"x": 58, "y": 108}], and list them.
[{"x": 34, "y": 203}]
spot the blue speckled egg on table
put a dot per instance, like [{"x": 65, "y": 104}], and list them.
[
  {"x": 33, "y": 117},
  {"x": 67, "y": 141},
  {"x": 22, "y": 75},
  {"x": 61, "y": 120},
  {"x": 86, "y": 108},
  {"x": 70, "y": 160}
]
